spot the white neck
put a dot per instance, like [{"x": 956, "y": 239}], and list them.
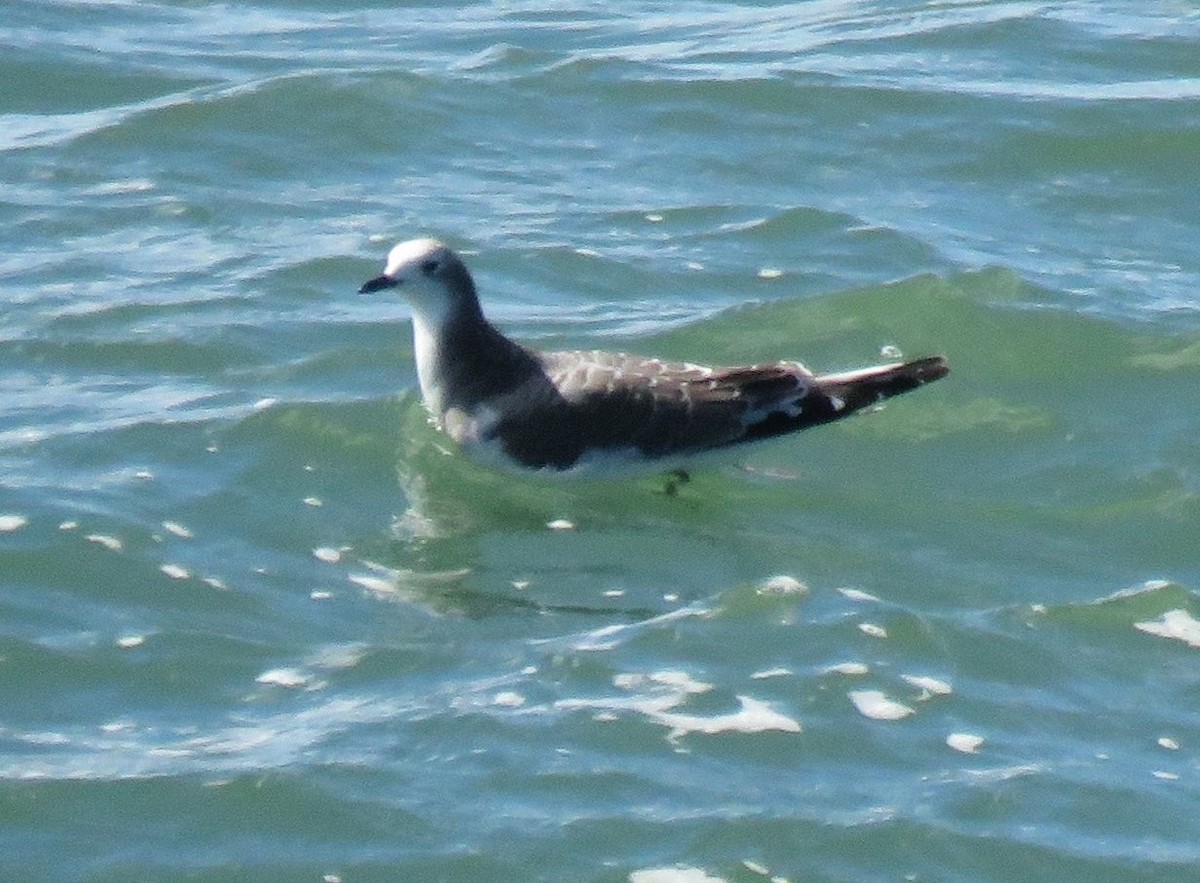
[{"x": 427, "y": 341}]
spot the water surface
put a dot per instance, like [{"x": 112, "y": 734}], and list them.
[{"x": 259, "y": 621}]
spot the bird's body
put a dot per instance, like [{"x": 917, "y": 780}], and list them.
[{"x": 574, "y": 411}]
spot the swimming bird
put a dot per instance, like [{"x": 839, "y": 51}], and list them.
[{"x": 582, "y": 411}]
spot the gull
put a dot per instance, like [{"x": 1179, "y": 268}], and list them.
[{"x": 597, "y": 412}]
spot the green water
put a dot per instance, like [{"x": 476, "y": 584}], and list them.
[{"x": 260, "y": 621}]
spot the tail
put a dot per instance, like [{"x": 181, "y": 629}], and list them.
[
  {"x": 851, "y": 391},
  {"x": 834, "y": 396}
]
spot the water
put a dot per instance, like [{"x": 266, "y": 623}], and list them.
[{"x": 258, "y": 621}]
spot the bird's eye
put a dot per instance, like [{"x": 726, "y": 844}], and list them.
[{"x": 429, "y": 267}]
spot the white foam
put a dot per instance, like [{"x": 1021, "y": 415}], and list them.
[
  {"x": 402, "y": 585},
  {"x": 780, "y": 672},
  {"x": 610, "y": 636},
  {"x": 1179, "y": 625},
  {"x": 176, "y": 571},
  {"x": 116, "y": 188},
  {"x": 244, "y": 742},
  {"x": 857, "y": 595},
  {"x": 283, "y": 677},
  {"x": 928, "y": 686},
  {"x": 508, "y": 699},
  {"x": 967, "y": 743},
  {"x": 782, "y": 584},
  {"x": 1168, "y": 743},
  {"x": 679, "y": 680},
  {"x": 560, "y": 524},
  {"x": 376, "y": 585},
  {"x": 753, "y": 716},
  {"x": 877, "y": 706},
  {"x": 872, "y": 630},
  {"x": 848, "y": 668},
  {"x": 174, "y": 527},
  {"x": 673, "y": 875},
  {"x": 9, "y": 523},
  {"x": 327, "y": 554},
  {"x": 658, "y": 694},
  {"x": 110, "y": 543}
]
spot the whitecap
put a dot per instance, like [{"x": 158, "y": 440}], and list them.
[
  {"x": 928, "y": 686},
  {"x": 9, "y": 523},
  {"x": 752, "y": 716},
  {"x": 1179, "y": 625},
  {"x": 679, "y": 680},
  {"x": 782, "y": 584},
  {"x": 779, "y": 672},
  {"x": 174, "y": 527},
  {"x": 508, "y": 699},
  {"x": 111, "y": 543},
  {"x": 659, "y": 694},
  {"x": 858, "y": 595},
  {"x": 967, "y": 743},
  {"x": 283, "y": 677},
  {"x": 877, "y": 706},
  {"x": 673, "y": 875},
  {"x": 848, "y": 668}
]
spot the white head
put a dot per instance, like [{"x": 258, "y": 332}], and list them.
[
  {"x": 432, "y": 278},
  {"x": 436, "y": 282}
]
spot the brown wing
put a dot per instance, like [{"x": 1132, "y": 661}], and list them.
[{"x": 607, "y": 401}]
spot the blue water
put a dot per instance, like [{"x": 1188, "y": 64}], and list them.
[{"x": 259, "y": 621}]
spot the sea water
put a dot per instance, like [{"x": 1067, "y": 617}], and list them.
[{"x": 260, "y": 621}]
